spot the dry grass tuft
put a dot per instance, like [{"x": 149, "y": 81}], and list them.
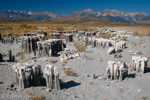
[
  {"x": 15, "y": 60},
  {"x": 91, "y": 83},
  {"x": 105, "y": 36},
  {"x": 52, "y": 61},
  {"x": 119, "y": 59},
  {"x": 3, "y": 54},
  {"x": 144, "y": 97},
  {"x": 134, "y": 44},
  {"x": 80, "y": 47},
  {"x": 148, "y": 34},
  {"x": 65, "y": 61},
  {"x": 63, "y": 64},
  {"x": 124, "y": 39},
  {"x": 140, "y": 53},
  {"x": 22, "y": 56},
  {"x": 69, "y": 72},
  {"x": 140, "y": 43},
  {"x": 47, "y": 37},
  {"x": 36, "y": 96},
  {"x": 138, "y": 34},
  {"x": 113, "y": 35},
  {"x": 62, "y": 36}
]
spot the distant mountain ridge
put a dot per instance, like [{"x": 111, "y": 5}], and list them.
[
  {"x": 105, "y": 15},
  {"x": 113, "y": 15},
  {"x": 23, "y": 14}
]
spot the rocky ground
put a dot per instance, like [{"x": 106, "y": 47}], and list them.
[{"x": 82, "y": 86}]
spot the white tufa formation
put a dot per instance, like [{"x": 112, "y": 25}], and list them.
[
  {"x": 66, "y": 55},
  {"x": 51, "y": 75},
  {"x": 139, "y": 63},
  {"x": 27, "y": 74},
  {"x": 116, "y": 70}
]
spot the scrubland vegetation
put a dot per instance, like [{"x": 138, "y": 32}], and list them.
[
  {"x": 25, "y": 28},
  {"x": 34, "y": 26}
]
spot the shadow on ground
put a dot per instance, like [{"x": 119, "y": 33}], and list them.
[
  {"x": 148, "y": 70},
  {"x": 131, "y": 75},
  {"x": 69, "y": 84},
  {"x": 1, "y": 82}
]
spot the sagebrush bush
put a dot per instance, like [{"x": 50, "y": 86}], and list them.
[
  {"x": 144, "y": 97},
  {"x": 112, "y": 35},
  {"x": 105, "y": 36},
  {"x": 60, "y": 29},
  {"x": 148, "y": 34},
  {"x": 15, "y": 60},
  {"x": 91, "y": 83},
  {"x": 52, "y": 61},
  {"x": 124, "y": 39},
  {"x": 140, "y": 53},
  {"x": 63, "y": 64},
  {"x": 138, "y": 34},
  {"x": 62, "y": 36},
  {"x": 80, "y": 47},
  {"x": 134, "y": 44},
  {"x": 22, "y": 56},
  {"x": 3, "y": 54},
  {"x": 36, "y": 96},
  {"x": 69, "y": 72}
]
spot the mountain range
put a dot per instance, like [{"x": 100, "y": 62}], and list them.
[
  {"x": 23, "y": 14},
  {"x": 105, "y": 15}
]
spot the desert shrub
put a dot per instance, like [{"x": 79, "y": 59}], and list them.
[
  {"x": 36, "y": 96},
  {"x": 23, "y": 25},
  {"x": 137, "y": 34},
  {"x": 141, "y": 40},
  {"x": 148, "y": 34},
  {"x": 134, "y": 44},
  {"x": 119, "y": 59},
  {"x": 65, "y": 61},
  {"x": 69, "y": 72},
  {"x": 29, "y": 57},
  {"x": 140, "y": 43},
  {"x": 22, "y": 56},
  {"x": 15, "y": 60},
  {"x": 47, "y": 37},
  {"x": 124, "y": 39},
  {"x": 105, "y": 36},
  {"x": 140, "y": 53},
  {"x": 113, "y": 35},
  {"x": 62, "y": 36},
  {"x": 84, "y": 29},
  {"x": 63, "y": 64},
  {"x": 52, "y": 61},
  {"x": 91, "y": 83},
  {"x": 80, "y": 47},
  {"x": 60, "y": 29},
  {"x": 145, "y": 97},
  {"x": 3, "y": 54}
]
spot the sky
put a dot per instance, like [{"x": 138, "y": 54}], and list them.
[{"x": 66, "y": 7}]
